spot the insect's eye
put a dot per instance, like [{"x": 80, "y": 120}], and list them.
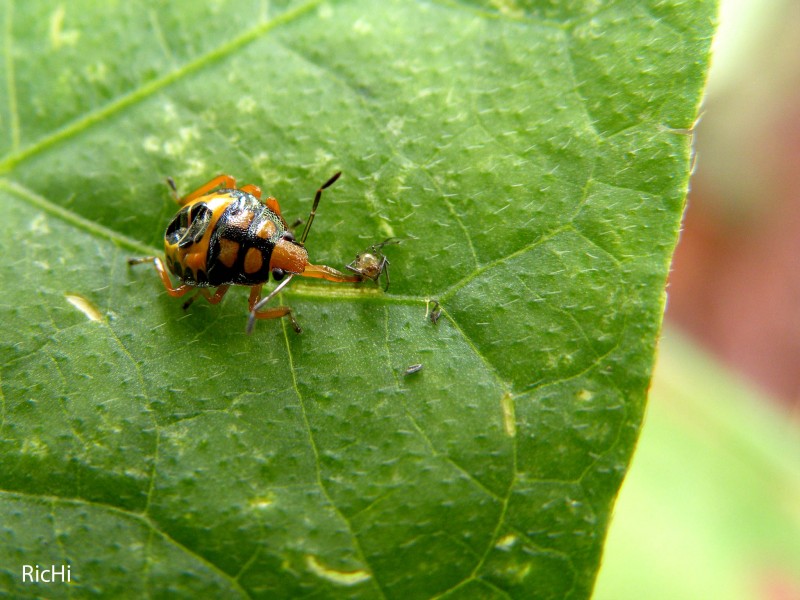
[
  {"x": 288, "y": 236},
  {"x": 278, "y": 274}
]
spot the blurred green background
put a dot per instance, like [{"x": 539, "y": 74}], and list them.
[{"x": 711, "y": 505}]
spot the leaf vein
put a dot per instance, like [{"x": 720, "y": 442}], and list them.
[
  {"x": 151, "y": 88},
  {"x": 151, "y": 414},
  {"x": 11, "y": 84},
  {"x": 135, "y": 516},
  {"x": 74, "y": 219},
  {"x": 318, "y": 468},
  {"x": 441, "y": 455},
  {"x": 452, "y": 209},
  {"x": 449, "y": 292}
]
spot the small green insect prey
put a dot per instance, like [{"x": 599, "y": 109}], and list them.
[{"x": 413, "y": 369}]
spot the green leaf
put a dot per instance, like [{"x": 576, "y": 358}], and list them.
[{"x": 529, "y": 155}]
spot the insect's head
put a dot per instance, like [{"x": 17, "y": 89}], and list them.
[{"x": 288, "y": 256}]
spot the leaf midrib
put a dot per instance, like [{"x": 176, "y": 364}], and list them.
[{"x": 142, "y": 92}]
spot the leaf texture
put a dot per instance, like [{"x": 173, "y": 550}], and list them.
[{"x": 531, "y": 158}]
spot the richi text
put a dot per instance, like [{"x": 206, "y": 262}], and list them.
[{"x": 55, "y": 574}]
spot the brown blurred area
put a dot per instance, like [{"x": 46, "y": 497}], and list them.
[{"x": 735, "y": 281}]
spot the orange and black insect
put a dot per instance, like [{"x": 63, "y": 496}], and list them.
[
  {"x": 224, "y": 235},
  {"x": 371, "y": 263}
]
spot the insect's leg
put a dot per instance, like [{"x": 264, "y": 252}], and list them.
[
  {"x": 215, "y": 299},
  {"x": 355, "y": 270},
  {"x": 330, "y": 274},
  {"x": 385, "y": 269},
  {"x": 255, "y": 296},
  {"x": 222, "y": 180},
  {"x": 317, "y": 197},
  {"x": 194, "y": 296},
  {"x": 253, "y": 190},
  {"x": 272, "y": 313},
  {"x": 141, "y": 260},
  {"x": 175, "y": 292},
  {"x": 218, "y": 295},
  {"x": 256, "y": 304}
]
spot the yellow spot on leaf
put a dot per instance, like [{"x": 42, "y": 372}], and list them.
[
  {"x": 395, "y": 125},
  {"x": 261, "y": 503},
  {"x": 518, "y": 572},
  {"x": 340, "y": 577},
  {"x": 86, "y": 307},
  {"x": 97, "y": 73},
  {"x": 386, "y": 228},
  {"x": 194, "y": 168},
  {"x": 509, "y": 418},
  {"x": 505, "y": 542},
  {"x": 151, "y": 144},
  {"x": 246, "y": 104},
  {"x": 35, "y": 447},
  {"x": 39, "y": 225},
  {"x": 58, "y": 35},
  {"x": 508, "y": 8},
  {"x": 181, "y": 143},
  {"x": 322, "y": 159},
  {"x": 187, "y": 134}
]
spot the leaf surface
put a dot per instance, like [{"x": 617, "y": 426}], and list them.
[{"x": 530, "y": 157}]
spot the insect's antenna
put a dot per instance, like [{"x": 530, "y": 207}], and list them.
[
  {"x": 173, "y": 187},
  {"x": 317, "y": 197},
  {"x": 386, "y": 242}
]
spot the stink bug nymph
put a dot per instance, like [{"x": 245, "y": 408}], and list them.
[{"x": 224, "y": 235}]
